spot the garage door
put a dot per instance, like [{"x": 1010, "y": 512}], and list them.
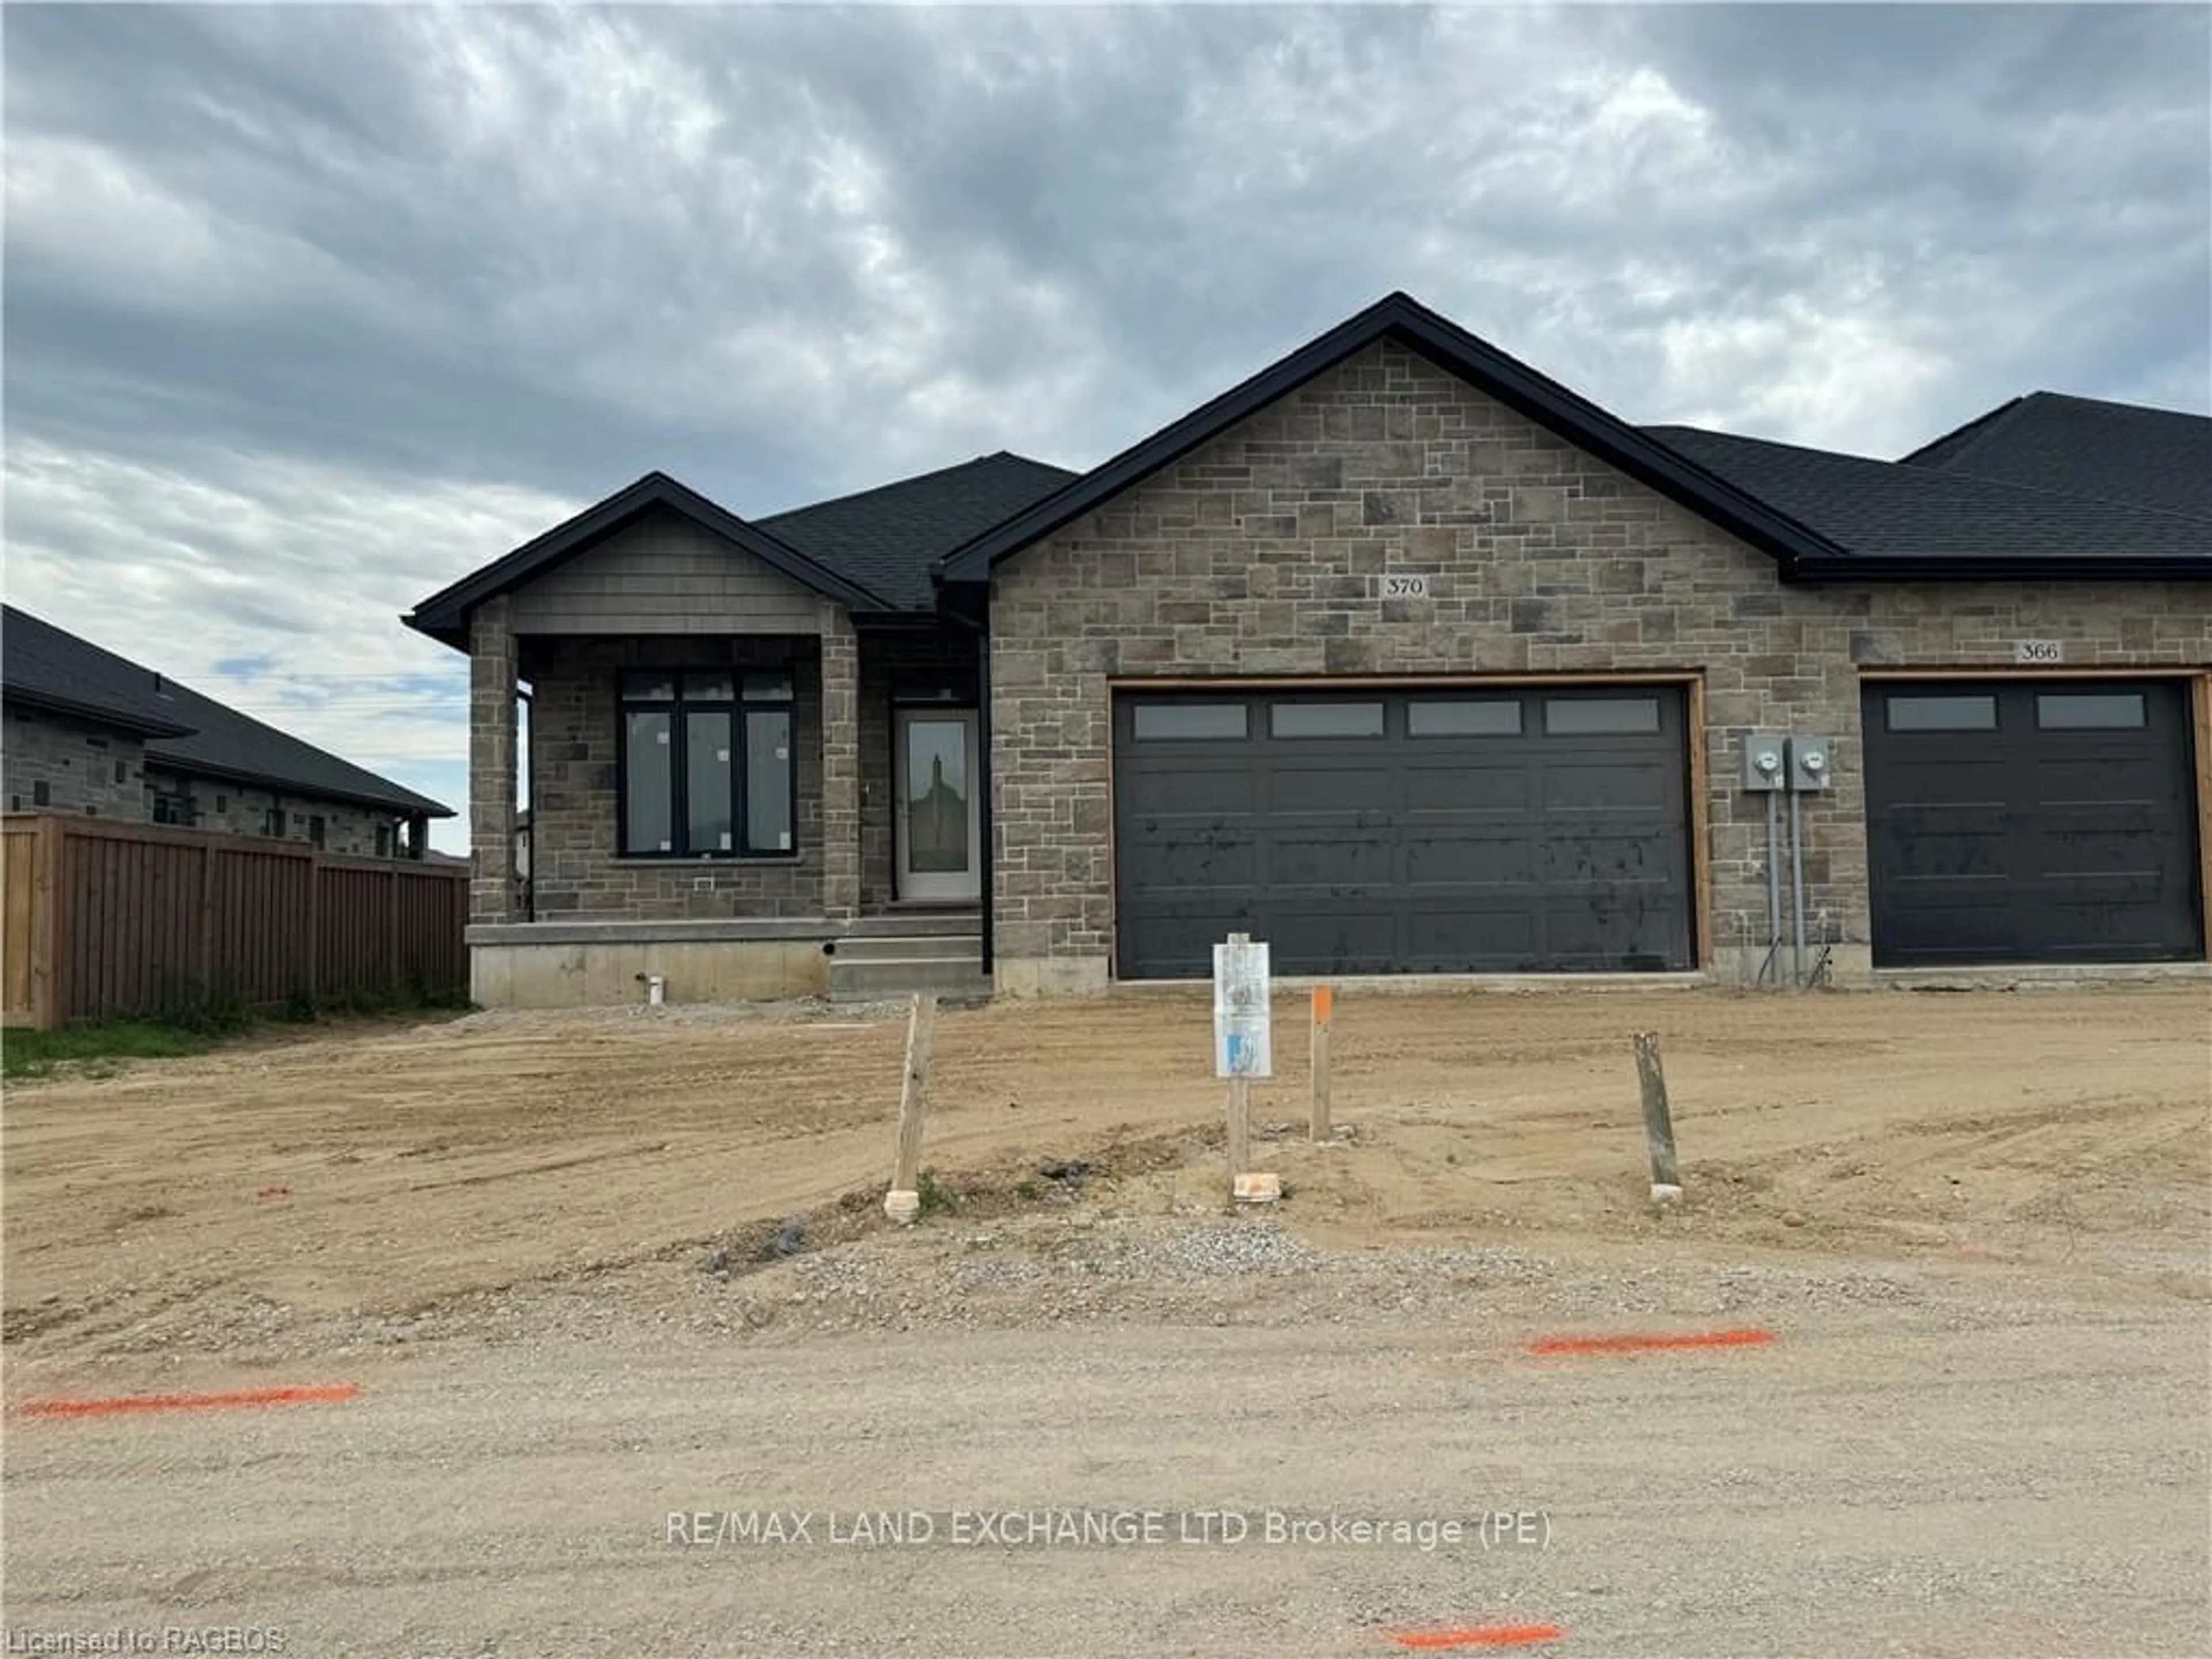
[
  {"x": 1414, "y": 832},
  {"x": 2025, "y": 822}
]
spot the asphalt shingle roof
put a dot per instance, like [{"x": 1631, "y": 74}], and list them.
[
  {"x": 1895, "y": 510},
  {"x": 887, "y": 538},
  {"x": 44, "y": 663},
  {"x": 2150, "y": 457}
]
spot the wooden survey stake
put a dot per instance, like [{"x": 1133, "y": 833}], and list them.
[
  {"x": 903, "y": 1202},
  {"x": 1658, "y": 1122},
  {"x": 1324, "y": 1008}
]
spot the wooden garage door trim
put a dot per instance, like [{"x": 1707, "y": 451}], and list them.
[
  {"x": 1695, "y": 739},
  {"x": 2200, "y": 723}
]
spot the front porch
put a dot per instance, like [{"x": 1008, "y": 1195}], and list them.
[{"x": 744, "y": 816}]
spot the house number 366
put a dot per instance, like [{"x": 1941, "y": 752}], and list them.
[{"x": 2038, "y": 651}]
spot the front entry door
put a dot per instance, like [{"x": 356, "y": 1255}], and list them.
[{"x": 939, "y": 855}]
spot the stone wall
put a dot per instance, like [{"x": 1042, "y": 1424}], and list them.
[
  {"x": 1255, "y": 555},
  {"x": 84, "y": 766},
  {"x": 237, "y": 809},
  {"x": 577, "y": 872}
]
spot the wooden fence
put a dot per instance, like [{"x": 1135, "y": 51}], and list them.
[{"x": 105, "y": 919}]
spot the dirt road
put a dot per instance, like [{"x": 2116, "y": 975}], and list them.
[{"x": 1934, "y": 1474}]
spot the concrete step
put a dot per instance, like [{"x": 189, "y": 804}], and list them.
[
  {"x": 872, "y": 981},
  {"x": 941, "y": 947},
  {"x": 919, "y": 924}
]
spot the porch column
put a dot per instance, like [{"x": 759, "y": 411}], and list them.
[
  {"x": 491, "y": 762},
  {"x": 840, "y": 765}
]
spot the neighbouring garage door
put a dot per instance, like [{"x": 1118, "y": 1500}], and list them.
[
  {"x": 1422, "y": 831},
  {"x": 2024, "y": 822}
]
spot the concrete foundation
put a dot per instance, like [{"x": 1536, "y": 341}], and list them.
[{"x": 588, "y": 965}]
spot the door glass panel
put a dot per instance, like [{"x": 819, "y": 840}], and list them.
[
  {"x": 1958, "y": 714},
  {"x": 2099, "y": 711},
  {"x": 936, "y": 797}
]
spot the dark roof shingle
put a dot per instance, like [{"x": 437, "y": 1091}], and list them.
[
  {"x": 2157, "y": 458},
  {"x": 1891, "y": 510},
  {"x": 44, "y": 663},
  {"x": 887, "y": 538}
]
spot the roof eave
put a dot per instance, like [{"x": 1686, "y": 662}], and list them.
[
  {"x": 136, "y": 725},
  {"x": 197, "y": 768},
  {"x": 1954, "y": 568}
]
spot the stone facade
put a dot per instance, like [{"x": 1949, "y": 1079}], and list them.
[
  {"x": 576, "y": 870},
  {"x": 78, "y": 765},
  {"x": 1255, "y": 556},
  {"x": 234, "y": 809}
]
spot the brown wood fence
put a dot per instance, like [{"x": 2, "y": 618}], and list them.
[{"x": 105, "y": 919}]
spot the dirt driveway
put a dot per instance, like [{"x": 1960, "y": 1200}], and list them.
[
  {"x": 230, "y": 1200},
  {"x": 1978, "y": 1227}
]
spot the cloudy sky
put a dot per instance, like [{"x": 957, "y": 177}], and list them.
[{"x": 310, "y": 311}]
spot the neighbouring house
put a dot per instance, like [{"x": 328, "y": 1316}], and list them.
[
  {"x": 85, "y": 730},
  {"x": 1399, "y": 656}
]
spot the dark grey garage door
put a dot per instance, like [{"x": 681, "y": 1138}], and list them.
[
  {"x": 1425, "y": 831},
  {"x": 2024, "y": 822}
]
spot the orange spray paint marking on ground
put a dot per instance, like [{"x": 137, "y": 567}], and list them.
[
  {"x": 187, "y": 1402},
  {"x": 1480, "y": 1636},
  {"x": 276, "y": 1192},
  {"x": 1750, "y": 1337}
]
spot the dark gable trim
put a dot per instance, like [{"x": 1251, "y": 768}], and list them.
[
  {"x": 1451, "y": 347},
  {"x": 444, "y": 616},
  {"x": 1992, "y": 567}
]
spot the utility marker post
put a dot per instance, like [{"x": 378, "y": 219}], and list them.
[
  {"x": 1658, "y": 1122},
  {"x": 1242, "y": 1049},
  {"x": 1324, "y": 1007},
  {"x": 903, "y": 1202}
]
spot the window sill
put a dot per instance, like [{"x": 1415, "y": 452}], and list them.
[{"x": 710, "y": 860}]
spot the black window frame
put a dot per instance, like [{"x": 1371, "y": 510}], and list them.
[
  {"x": 736, "y": 708},
  {"x": 173, "y": 808}
]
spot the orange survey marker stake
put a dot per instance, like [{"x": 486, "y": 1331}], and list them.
[
  {"x": 188, "y": 1402},
  {"x": 1747, "y": 1337},
  {"x": 1324, "y": 1006},
  {"x": 1480, "y": 1636}
]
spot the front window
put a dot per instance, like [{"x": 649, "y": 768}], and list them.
[
  {"x": 706, "y": 765},
  {"x": 176, "y": 809}
]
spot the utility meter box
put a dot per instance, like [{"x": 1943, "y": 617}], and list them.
[
  {"x": 1766, "y": 758},
  {"x": 1812, "y": 762}
]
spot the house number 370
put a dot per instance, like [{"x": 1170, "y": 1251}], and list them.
[{"x": 1405, "y": 587}]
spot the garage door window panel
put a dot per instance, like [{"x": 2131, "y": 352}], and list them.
[
  {"x": 1938, "y": 713},
  {"x": 1189, "y": 722},
  {"x": 1576, "y": 717},
  {"x": 1325, "y": 719},
  {"x": 1463, "y": 717},
  {"x": 2090, "y": 711}
]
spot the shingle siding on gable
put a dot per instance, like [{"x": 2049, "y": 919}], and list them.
[
  {"x": 1254, "y": 556},
  {"x": 665, "y": 576}
]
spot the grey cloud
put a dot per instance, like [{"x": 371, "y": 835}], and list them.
[{"x": 404, "y": 285}]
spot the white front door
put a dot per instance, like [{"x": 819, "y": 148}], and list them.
[{"x": 939, "y": 852}]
